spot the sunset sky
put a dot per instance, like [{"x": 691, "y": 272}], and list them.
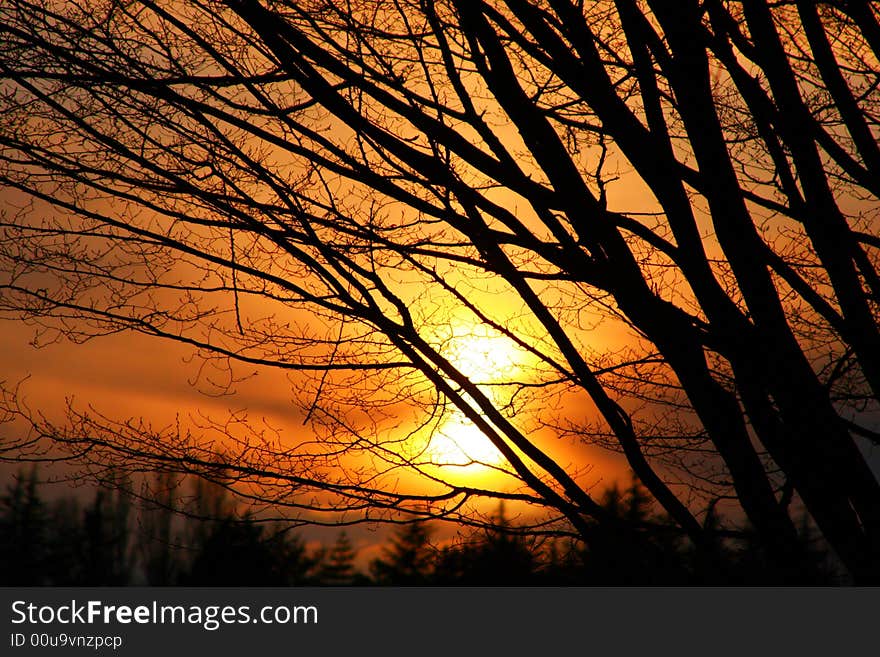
[
  {"x": 134, "y": 376},
  {"x": 394, "y": 261}
]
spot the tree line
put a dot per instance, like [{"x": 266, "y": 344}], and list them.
[{"x": 112, "y": 540}]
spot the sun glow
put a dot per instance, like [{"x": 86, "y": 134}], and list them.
[
  {"x": 491, "y": 361},
  {"x": 459, "y": 442},
  {"x": 484, "y": 357}
]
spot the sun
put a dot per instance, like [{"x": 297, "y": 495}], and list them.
[
  {"x": 459, "y": 442},
  {"x": 483, "y": 355},
  {"x": 490, "y": 359}
]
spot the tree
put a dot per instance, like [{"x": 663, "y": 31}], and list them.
[
  {"x": 335, "y": 567},
  {"x": 58, "y": 544},
  {"x": 23, "y": 532},
  {"x": 237, "y": 553},
  {"x": 501, "y": 555},
  {"x": 156, "y": 535},
  {"x": 666, "y": 211},
  {"x": 107, "y": 556},
  {"x": 408, "y": 559}
]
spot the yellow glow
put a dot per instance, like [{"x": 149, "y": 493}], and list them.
[
  {"x": 483, "y": 355},
  {"x": 486, "y": 357},
  {"x": 459, "y": 442}
]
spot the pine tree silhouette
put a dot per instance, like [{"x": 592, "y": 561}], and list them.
[
  {"x": 336, "y": 565},
  {"x": 408, "y": 559}
]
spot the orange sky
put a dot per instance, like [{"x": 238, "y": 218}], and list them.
[{"x": 129, "y": 375}]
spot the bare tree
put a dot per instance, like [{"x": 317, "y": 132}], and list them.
[{"x": 361, "y": 193}]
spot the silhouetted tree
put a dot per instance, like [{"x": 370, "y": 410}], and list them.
[
  {"x": 226, "y": 550},
  {"x": 65, "y": 563},
  {"x": 407, "y": 559},
  {"x": 499, "y": 556},
  {"x": 335, "y": 566},
  {"x": 61, "y": 544},
  {"x": 295, "y": 564},
  {"x": 107, "y": 558},
  {"x": 234, "y": 554},
  {"x": 23, "y": 533},
  {"x": 611, "y": 561},
  {"x": 156, "y": 536},
  {"x": 677, "y": 202}
]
